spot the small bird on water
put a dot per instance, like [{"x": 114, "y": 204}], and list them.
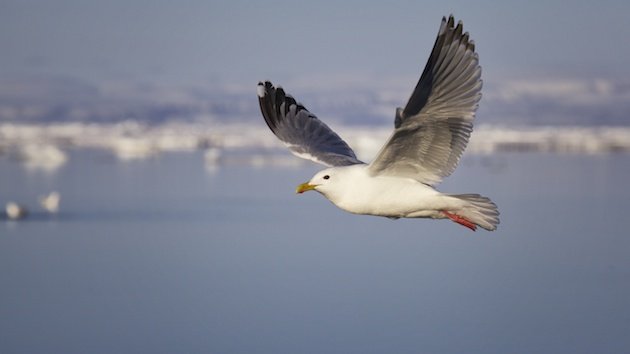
[{"x": 429, "y": 137}]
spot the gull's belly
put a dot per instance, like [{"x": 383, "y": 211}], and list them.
[{"x": 391, "y": 197}]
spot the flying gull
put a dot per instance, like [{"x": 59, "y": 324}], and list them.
[{"x": 429, "y": 137}]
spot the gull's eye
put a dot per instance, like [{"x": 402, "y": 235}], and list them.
[{"x": 326, "y": 177}]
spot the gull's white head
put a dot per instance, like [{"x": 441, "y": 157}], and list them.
[
  {"x": 321, "y": 182},
  {"x": 334, "y": 181}
]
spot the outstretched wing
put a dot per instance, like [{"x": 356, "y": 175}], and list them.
[
  {"x": 305, "y": 135},
  {"x": 432, "y": 131}
]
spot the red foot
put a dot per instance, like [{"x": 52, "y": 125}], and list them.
[{"x": 460, "y": 220}]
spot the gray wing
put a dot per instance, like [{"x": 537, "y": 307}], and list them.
[
  {"x": 305, "y": 135},
  {"x": 432, "y": 131}
]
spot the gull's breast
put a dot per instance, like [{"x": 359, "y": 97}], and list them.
[{"x": 385, "y": 196}]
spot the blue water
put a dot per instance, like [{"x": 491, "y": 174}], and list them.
[{"x": 162, "y": 256}]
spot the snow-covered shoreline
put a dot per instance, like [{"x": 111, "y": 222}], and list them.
[{"x": 45, "y": 145}]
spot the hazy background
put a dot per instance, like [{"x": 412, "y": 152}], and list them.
[
  {"x": 242, "y": 42},
  {"x": 179, "y": 230},
  {"x": 551, "y": 63}
]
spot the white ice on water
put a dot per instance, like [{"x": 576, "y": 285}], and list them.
[{"x": 44, "y": 145}]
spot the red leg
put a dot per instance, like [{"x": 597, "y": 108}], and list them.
[{"x": 460, "y": 220}]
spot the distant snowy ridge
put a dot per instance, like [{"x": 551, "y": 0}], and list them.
[
  {"x": 42, "y": 119},
  {"x": 344, "y": 100}
]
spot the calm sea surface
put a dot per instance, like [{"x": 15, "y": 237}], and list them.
[{"x": 164, "y": 256}]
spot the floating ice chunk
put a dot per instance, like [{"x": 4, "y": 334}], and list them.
[
  {"x": 42, "y": 156},
  {"x": 50, "y": 202},
  {"x": 212, "y": 156},
  {"x": 15, "y": 211},
  {"x": 176, "y": 142},
  {"x": 133, "y": 148}
]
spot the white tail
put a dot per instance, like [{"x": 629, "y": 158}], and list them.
[{"x": 480, "y": 211}]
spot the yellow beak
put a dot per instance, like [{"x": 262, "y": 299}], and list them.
[{"x": 304, "y": 187}]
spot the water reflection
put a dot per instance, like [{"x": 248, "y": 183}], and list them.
[{"x": 160, "y": 254}]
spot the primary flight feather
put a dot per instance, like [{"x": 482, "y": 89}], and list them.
[{"x": 429, "y": 137}]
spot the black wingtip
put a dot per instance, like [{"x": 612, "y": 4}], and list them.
[
  {"x": 275, "y": 103},
  {"x": 459, "y": 29},
  {"x": 451, "y": 31},
  {"x": 266, "y": 98},
  {"x": 451, "y": 21}
]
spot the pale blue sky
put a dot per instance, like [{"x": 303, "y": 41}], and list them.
[{"x": 239, "y": 41}]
